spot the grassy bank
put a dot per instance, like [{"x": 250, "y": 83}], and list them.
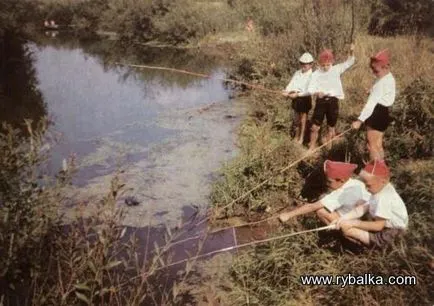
[{"x": 269, "y": 274}]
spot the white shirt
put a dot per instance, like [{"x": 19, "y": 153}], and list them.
[
  {"x": 344, "y": 199},
  {"x": 299, "y": 82},
  {"x": 387, "y": 204},
  {"x": 329, "y": 82},
  {"x": 383, "y": 92}
]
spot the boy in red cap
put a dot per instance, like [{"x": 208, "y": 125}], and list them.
[
  {"x": 326, "y": 85},
  {"x": 385, "y": 209},
  {"x": 375, "y": 114},
  {"x": 346, "y": 194}
]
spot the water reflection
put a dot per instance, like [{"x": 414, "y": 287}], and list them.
[
  {"x": 102, "y": 108},
  {"x": 20, "y": 97}
]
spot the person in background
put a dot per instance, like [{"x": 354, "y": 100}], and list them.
[
  {"x": 375, "y": 114},
  {"x": 250, "y": 25},
  {"x": 326, "y": 86},
  {"x": 301, "y": 99},
  {"x": 385, "y": 210},
  {"x": 345, "y": 194}
]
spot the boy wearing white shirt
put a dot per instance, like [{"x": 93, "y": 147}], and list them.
[
  {"x": 385, "y": 208},
  {"x": 297, "y": 91},
  {"x": 326, "y": 85},
  {"x": 345, "y": 195},
  {"x": 375, "y": 114}
]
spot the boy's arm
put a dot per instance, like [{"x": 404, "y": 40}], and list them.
[
  {"x": 312, "y": 86},
  {"x": 387, "y": 97},
  {"x": 305, "y": 209},
  {"x": 342, "y": 67},
  {"x": 372, "y": 226},
  {"x": 357, "y": 212},
  {"x": 369, "y": 226},
  {"x": 289, "y": 88}
]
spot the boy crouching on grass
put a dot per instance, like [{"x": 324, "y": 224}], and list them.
[
  {"x": 326, "y": 86},
  {"x": 297, "y": 91},
  {"x": 385, "y": 209},
  {"x": 346, "y": 194}
]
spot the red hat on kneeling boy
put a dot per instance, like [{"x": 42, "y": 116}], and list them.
[{"x": 339, "y": 170}]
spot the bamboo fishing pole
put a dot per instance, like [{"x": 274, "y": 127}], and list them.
[
  {"x": 327, "y": 227},
  {"x": 235, "y": 247},
  {"x": 309, "y": 153},
  {"x": 202, "y": 75},
  {"x": 250, "y": 191}
]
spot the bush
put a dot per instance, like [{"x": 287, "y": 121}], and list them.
[
  {"x": 188, "y": 21},
  {"x": 413, "y": 113},
  {"x": 402, "y": 17}
]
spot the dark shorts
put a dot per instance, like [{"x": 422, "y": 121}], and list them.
[
  {"x": 326, "y": 107},
  {"x": 302, "y": 104},
  {"x": 384, "y": 237},
  {"x": 380, "y": 119}
]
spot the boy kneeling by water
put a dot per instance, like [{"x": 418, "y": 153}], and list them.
[
  {"x": 297, "y": 91},
  {"x": 346, "y": 194},
  {"x": 385, "y": 210}
]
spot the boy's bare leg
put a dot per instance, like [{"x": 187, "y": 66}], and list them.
[
  {"x": 375, "y": 144},
  {"x": 303, "y": 120},
  {"x": 357, "y": 235},
  {"x": 327, "y": 217},
  {"x": 313, "y": 136},
  {"x": 297, "y": 125},
  {"x": 330, "y": 134}
]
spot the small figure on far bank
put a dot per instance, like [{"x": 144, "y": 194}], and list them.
[
  {"x": 249, "y": 25},
  {"x": 301, "y": 99},
  {"x": 326, "y": 86},
  {"x": 375, "y": 114}
]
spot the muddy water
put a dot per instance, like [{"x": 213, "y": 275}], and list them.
[{"x": 169, "y": 133}]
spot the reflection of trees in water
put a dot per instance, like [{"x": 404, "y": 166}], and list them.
[
  {"x": 19, "y": 96},
  {"x": 110, "y": 52}
]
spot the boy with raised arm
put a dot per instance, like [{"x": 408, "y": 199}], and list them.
[
  {"x": 326, "y": 86},
  {"x": 385, "y": 209},
  {"x": 345, "y": 194},
  {"x": 297, "y": 91}
]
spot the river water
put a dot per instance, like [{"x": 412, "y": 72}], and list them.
[{"x": 167, "y": 133}]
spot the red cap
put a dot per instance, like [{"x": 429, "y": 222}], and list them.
[
  {"x": 338, "y": 170},
  {"x": 381, "y": 58},
  {"x": 377, "y": 168},
  {"x": 326, "y": 56}
]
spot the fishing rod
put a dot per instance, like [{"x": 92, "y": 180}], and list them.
[
  {"x": 247, "y": 193},
  {"x": 308, "y": 154},
  {"x": 238, "y": 246},
  {"x": 202, "y": 75}
]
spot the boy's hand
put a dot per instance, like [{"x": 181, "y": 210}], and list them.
[
  {"x": 344, "y": 225},
  {"x": 356, "y": 124},
  {"x": 293, "y": 95},
  {"x": 285, "y": 216},
  {"x": 285, "y": 93},
  {"x": 320, "y": 94}
]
